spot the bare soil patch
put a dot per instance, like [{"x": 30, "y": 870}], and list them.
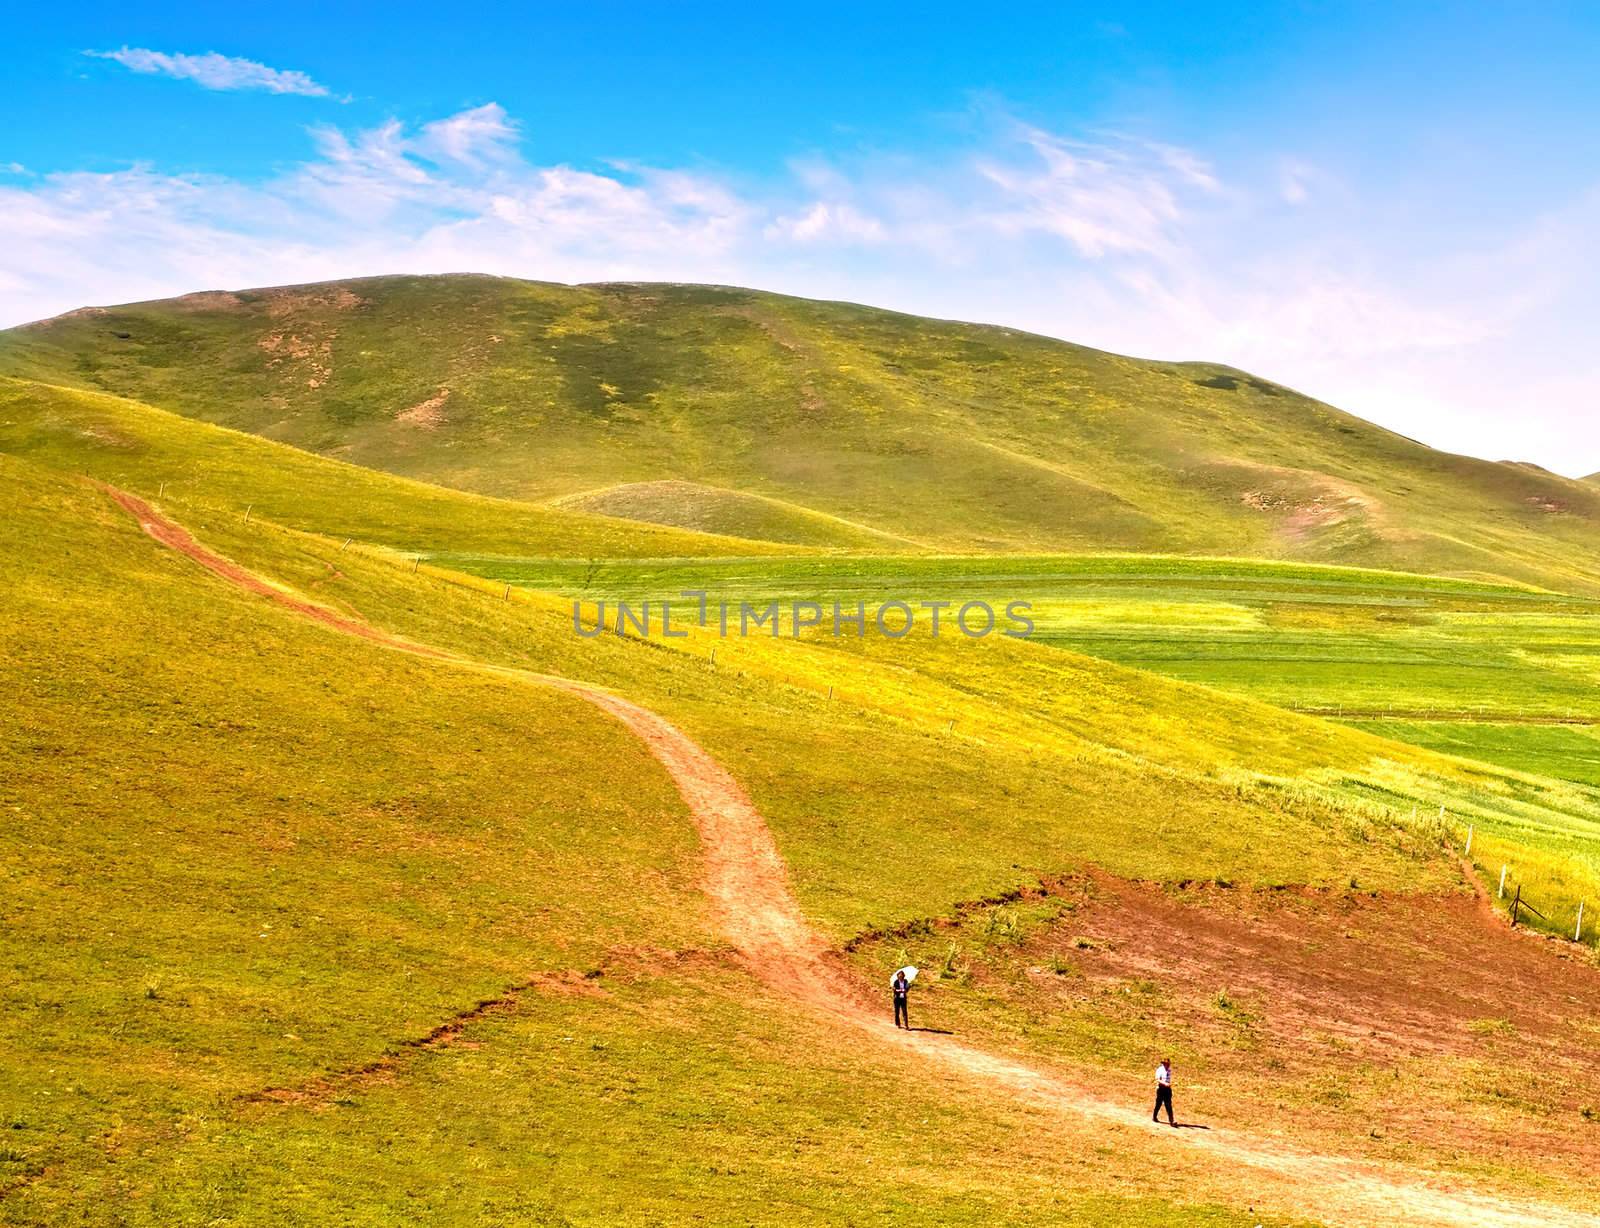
[
  {"x": 1384, "y": 976},
  {"x": 426, "y": 415},
  {"x": 1412, "y": 1028}
]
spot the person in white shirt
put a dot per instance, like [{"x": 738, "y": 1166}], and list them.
[{"x": 1164, "y": 1091}]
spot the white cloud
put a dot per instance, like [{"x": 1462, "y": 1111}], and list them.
[
  {"x": 1110, "y": 241},
  {"x": 1102, "y": 198},
  {"x": 1192, "y": 168},
  {"x": 826, "y": 220},
  {"x": 483, "y": 134},
  {"x": 451, "y": 195},
  {"x": 214, "y": 71}
]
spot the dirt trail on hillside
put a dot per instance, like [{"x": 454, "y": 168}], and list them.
[{"x": 747, "y": 880}]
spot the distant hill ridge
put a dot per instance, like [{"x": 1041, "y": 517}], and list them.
[{"x": 827, "y": 424}]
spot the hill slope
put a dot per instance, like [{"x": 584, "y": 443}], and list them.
[
  {"x": 240, "y": 970},
  {"x": 708, "y": 509},
  {"x": 955, "y": 435},
  {"x": 137, "y": 446}
]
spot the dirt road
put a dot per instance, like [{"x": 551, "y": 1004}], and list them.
[{"x": 747, "y": 880}]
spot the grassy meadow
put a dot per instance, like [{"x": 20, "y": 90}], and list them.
[
  {"x": 146, "y": 449},
  {"x": 301, "y": 930},
  {"x": 227, "y": 878},
  {"x": 1339, "y": 641}
]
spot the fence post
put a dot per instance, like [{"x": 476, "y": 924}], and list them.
[
  {"x": 416, "y": 563},
  {"x": 162, "y": 491},
  {"x": 1469, "y": 840},
  {"x": 508, "y": 592},
  {"x": 346, "y": 545},
  {"x": 713, "y": 656},
  {"x": 830, "y": 692},
  {"x": 1502, "y": 894},
  {"x": 1516, "y": 906},
  {"x": 247, "y": 512},
  {"x": 951, "y": 726},
  {"x": 1577, "y": 934}
]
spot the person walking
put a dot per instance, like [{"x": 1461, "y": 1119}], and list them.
[
  {"x": 1164, "y": 1091},
  {"x": 902, "y": 992}
]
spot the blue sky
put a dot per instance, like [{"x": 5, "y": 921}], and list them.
[{"x": 1393, "y": 207}]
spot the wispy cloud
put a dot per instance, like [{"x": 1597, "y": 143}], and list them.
[
  {"x": 214, "y": 71},
  {"x": 471, "y": 138},
  {"x": 824, "y": 220},
  {"x": 1102, "y": 198}
]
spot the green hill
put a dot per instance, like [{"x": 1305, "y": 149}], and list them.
[
  {"x": 690, "y": 505},
  {"x": 958, "y": 436},
  {"x": 141, "y": 448},
  {"x": 244, "y": 854},
  {"x": 300, "y": 930}
]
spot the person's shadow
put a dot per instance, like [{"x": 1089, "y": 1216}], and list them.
[
  {"x": 1189, "y": 1125},
  {"x": 933, "y": 1031}
]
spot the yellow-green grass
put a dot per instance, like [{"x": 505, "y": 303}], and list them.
[
  {"x": 961, "y": 436},
  {"x": 1551, "y": 882},
  {"x": 690, "y": 505},
  {"x": 1553, "y": 823},
  {"x": 1244, "y": 590},
  {"x": 1120, "y": 770},
  {"x": 1561, "y": 752},
  {"x": 1148, "y": 771},
  {"x": 243, "y": 852},
  {"x": 1328, "y": 639},
  {"x": 302, "y": 775},
  {"x": 146, "y": 449},
  {"x": 689, "y": 1097},
  {"x": 1321, "y": 638},
  {"x": 238, "y": 851},
  {"x": 925, "y": 714},
  {"x": 1339, "y": 642}
]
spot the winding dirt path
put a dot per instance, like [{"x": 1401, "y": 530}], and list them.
[{"x": 747, "y": 880}]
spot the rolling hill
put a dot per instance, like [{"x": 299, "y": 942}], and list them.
[
  {"x": 345, "y": 883},
  {"x": 135, "y": 445},
  {"x": 366, "y": 936},
  {"x": 638, "y": 398},
  {"x": 690, "y": 505}
]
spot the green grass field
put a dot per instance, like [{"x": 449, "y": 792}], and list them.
[
  {"x": 301, "y": 930},
  {"x": 1333, "y": 640},
  {"x": 1338, "y": 642},
  {"x": 307, "y": 867},
  {"x": 143, "y": 448},
  {"x": 1561, "y": 752}
]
